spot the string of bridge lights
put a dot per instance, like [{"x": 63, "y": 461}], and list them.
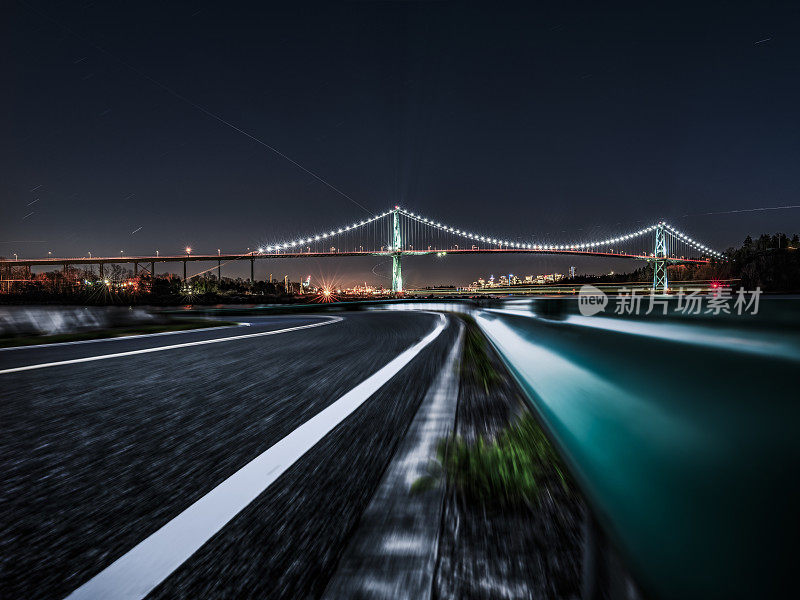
[
  {"x": 682, "y": 237},
  {"x": 582, "y": 246},
  {"x": 323, "y": 236},
  {"x": 521, "y": 245},
  {"x": 488, "y": 239}
]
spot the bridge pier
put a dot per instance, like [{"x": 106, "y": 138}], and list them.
[
  {"x": 660, "y": 279},
  {"x": 100, "y": 266},
  {"x": 397, "y": 274},
  {"x": 184, "y": 271},
  {"x": 252, "y": 270},
  {"x": 152, "y": 270},
  {"x": 397, "y": 246},
  {"x": 219, "y": 272}
]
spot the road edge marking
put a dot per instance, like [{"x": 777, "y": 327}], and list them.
[{"x": 73, "y": 361}]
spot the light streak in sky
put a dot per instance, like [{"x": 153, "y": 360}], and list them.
[
  {"x": 744, "y": 210},
  {"x": 198, "y": 107}
]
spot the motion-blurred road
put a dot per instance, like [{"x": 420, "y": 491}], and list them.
[
  {"x": 100, "y": 452},
  {"x": 243, "y": 457}
]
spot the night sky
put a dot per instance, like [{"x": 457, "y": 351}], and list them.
[{"x": 543, "y": 121}]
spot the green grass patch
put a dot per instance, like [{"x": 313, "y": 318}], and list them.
[
  {"x": 110, "y": 333},
  {"x": 505, "y": 472}
]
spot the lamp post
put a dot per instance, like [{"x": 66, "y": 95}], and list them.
[{"x": 188, "y": 252}]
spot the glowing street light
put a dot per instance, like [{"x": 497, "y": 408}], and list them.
[
  {"x": 188, "y": 250},
  {"x": 219, "y": 252}
]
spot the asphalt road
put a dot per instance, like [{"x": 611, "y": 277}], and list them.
[{"x": 97, "y": 455}]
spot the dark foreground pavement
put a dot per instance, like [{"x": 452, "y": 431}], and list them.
[{"x": 96, "y": 456}]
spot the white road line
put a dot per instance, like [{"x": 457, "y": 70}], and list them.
[
  {"x": 122, "y": 338},
  {"x": 73, "y": 361},
  {"x": 151, "y": 561}
]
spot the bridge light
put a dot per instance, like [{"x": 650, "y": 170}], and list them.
[{"x": 260, "y": 250}]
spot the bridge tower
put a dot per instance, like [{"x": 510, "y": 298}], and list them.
[
  {"x": 397, "y": 246},
  {"x": 660, "y": 281}
]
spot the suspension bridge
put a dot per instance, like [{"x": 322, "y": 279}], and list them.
[{"x": 399, "y": 232}]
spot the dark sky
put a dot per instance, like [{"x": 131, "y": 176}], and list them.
[{"x": 506, "y": 119}]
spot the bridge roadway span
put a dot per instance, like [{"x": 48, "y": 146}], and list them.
[{"x": 224, "y": 258}]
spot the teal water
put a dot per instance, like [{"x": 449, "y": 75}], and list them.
[{"x": 683, "y": 432}]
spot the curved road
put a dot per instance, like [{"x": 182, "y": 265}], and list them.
[{"x": 101, "y": 452}]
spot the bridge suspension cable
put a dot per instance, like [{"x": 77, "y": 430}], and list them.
[{"x": 421, "y": 234}]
